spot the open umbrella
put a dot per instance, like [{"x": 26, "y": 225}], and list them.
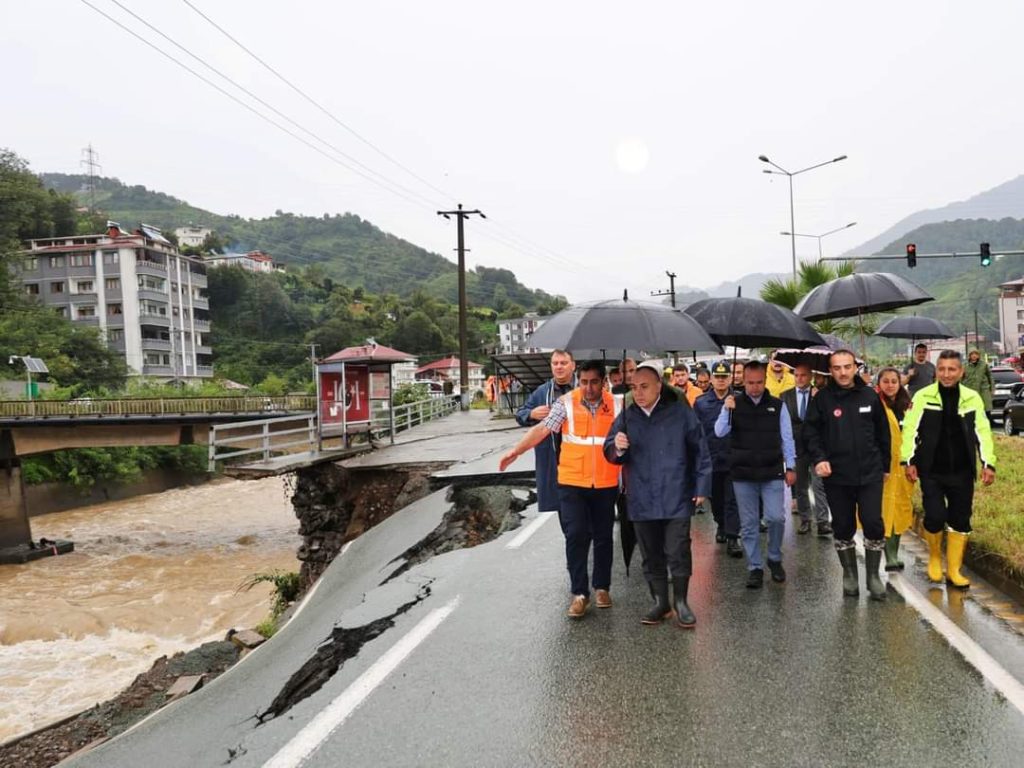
[
  {"x": 860, "y": 294},
  {"x": 619, "y": 324},
  {"x": 749, "y": 323},
  {"x": 816, "y": 357},
  {"x": 914, "y": 327}
]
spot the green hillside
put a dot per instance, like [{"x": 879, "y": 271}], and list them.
[
  {"x": 352, "y": 250},
  {"x": 961, "y": 285}
]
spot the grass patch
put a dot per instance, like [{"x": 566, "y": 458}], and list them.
[{"x": 998, "y": 519}]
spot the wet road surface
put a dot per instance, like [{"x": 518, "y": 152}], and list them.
[{"x": 485, "y": 669}]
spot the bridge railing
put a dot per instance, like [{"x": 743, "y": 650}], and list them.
[
  {"x": 162, "y": 406},
  {"x": 414, "y": 414},
  {"x": 266, "y": 437}
]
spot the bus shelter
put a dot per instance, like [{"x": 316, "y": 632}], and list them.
[{"x": 353, "y": 389}]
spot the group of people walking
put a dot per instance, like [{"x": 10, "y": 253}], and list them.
[{"x": 657, "y": 447}]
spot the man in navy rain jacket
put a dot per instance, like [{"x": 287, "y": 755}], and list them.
[{"x": 667, "y": 464}]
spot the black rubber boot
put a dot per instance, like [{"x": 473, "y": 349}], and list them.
[
  {"x": 851, "y": 583},
  {"x": 684, "y": 616},
  {"x": 661, "y": 609},
  {"x": 872, "y": 559}
]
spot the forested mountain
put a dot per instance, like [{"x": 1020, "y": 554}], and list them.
[{"x": 351, "y": 250}]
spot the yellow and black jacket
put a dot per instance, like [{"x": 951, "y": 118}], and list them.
[{"x": 923, "y": 426}]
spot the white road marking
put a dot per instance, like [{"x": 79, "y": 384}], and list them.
[
  {"x": 523, "y": 536},
  {"x": 319, "y": 729},
  {"x": 973, "y": 653}
]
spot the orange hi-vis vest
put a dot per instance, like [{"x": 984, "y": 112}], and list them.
[{"x": 581, "y": 460}]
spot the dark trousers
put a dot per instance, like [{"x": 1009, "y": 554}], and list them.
[
  {"x": 847, "y": 502},
  {"x": 665, "y": 544},
  {"x": 723, "y": 504},
  {"x": 805, "y": 478},
  {"x": 947, "y": 501},
  {"x": 587, "y": 515}
]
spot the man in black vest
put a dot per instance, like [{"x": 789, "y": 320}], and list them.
[
  {"x": 797, "y": 400},
  {"x": 762, "y": 457},
  {"x": 846, "y": 434}
]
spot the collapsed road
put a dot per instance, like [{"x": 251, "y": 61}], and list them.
[{"x": 414, "y": 649}]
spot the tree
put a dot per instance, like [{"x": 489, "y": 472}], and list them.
[
  {"x": 418, "y": 335},
  {"x": 788, "y": 293}
]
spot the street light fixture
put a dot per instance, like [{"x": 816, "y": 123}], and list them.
[
  {"x": 823, "y": 234},
  {"x": 780, "y": 171}
]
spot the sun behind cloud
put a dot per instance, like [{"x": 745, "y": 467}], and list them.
[{"x": 632, "y": 155}]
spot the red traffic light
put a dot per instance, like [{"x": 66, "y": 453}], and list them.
[{"x": 911, "y": 255}]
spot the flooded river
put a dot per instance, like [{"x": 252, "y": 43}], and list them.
[{"x": 150, "y": 576}]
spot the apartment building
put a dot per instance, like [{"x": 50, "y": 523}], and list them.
[
  {"x": 192, "y": 236},
  {"x": 514, "y": 334},
  {"x": 148, "y": 301},
  {"x": 253, "y": 261},
  {"x": 1011, "y": 316}
]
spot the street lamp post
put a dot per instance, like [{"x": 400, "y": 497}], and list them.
[
  {"x": 819, "y": 237},
  {"x": 780, "y": 171}
]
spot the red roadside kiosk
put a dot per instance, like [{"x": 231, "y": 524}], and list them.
[{"x": 348, "y": 385}]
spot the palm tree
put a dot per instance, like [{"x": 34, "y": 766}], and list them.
[{"x": 788, "y": 293}]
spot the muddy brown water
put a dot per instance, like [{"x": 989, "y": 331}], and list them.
[{"x": 150, "y": 576}]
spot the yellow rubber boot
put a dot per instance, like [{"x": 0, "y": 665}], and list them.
[
  {"x": 934, "y": 555},
  {"x": 956, "y": 543}
]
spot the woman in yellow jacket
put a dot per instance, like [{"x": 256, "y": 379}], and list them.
[{"x": 897, "y": 509}]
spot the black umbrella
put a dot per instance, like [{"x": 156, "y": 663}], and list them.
[
  {"x": 816, "y": 357},
  {"x": 627, "y": 534},
  {"x": 914, "y": 327},
  {"x": 753, "y": 323},
  {"x": 619, "y": 324},
  {"x": 860, "y": 294}
]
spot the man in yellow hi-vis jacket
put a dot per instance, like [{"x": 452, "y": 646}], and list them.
[{"x": 943, "y": 430}]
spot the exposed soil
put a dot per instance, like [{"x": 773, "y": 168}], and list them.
[{"x": 146, "y": 694}]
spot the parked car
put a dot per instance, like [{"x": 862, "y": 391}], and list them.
[
  {"x": 1008, "y": 383},
  {"x": 1013, "y": 413}
]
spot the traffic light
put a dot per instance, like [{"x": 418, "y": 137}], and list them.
[
  {"x": 911, "y": 255},
  {"x": 986, "y": 254}
]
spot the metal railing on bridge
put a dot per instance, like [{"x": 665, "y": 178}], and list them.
[
  {"x": 161, "y": 406},
  {"x": 263, "y": 439}
]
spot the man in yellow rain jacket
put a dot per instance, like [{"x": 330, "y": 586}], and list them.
[{"x": 943, "y": 431}]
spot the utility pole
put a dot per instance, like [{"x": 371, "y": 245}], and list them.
[
  {"x": 90, "y": 160},
  {"x": 460, "y": 215},
  {"x": 977, "y": 342},
  {"x": 671, "y": 292}
]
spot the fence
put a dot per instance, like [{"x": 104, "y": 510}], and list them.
[
  {"x": 413, "y": 414},
  {"x": 265, "y": 437},
  {"x": 163, "y": 406}
]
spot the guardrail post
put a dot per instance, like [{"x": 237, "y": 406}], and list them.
[
  {"x": 266, "y": 441},
  {"x": 312, "y": 434},
  {"x": 211, "y": 464}
]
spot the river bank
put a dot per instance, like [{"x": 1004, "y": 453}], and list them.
[{"x": 150, "y": 576}]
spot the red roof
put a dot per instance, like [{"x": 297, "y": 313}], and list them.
[
  {"x": 370, "y": 352},
  {"x": 445, "y": 362}
]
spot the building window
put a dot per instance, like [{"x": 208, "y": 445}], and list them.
[
  {"x": 115, "y": 334},
  {"x": 152, "y": 359},
  {"x": 30, "y": 264},
  {"x": 113, "y": 283},
  {"x": 151, "y": 283},
  {"x": 84, "y": 286},
  {"x": 32, "y": 289},
  {"x": 111, "y": 257},
  {"x": 114, "y": 309},
  {"x": 56, "y": 262},
  {"x": 1020, "y": 301},
  {"x": 57, "y": 287},
  {"x": 1020, "y": 314},
  {"x": 81, "y": 259},
  {"x": 152, "y": 308},
  {"x": 62, "y": 311},
  {"x": 85, "y": 310}
]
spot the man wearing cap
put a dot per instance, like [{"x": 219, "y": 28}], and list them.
[
  {"x": 762, "y": 458},
  {"x": 723, "y": 500},
  {"x": 587, "y": 482},
  {"x": 659, "y": 441},
  {"x": 536, "y": 409}
]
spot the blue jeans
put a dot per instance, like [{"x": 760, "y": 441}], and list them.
[
  {"x": 587, "y": 516},
  {"x": 748, "y": 496}
]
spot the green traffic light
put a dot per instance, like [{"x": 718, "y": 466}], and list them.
[{"x": 986, "y": 254}]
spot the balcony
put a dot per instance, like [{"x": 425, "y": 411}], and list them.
[
  {"x": 161, "y": 344},
  {"x": 202, "y": 325},
  {"x": 149, "y": 267},
  {"x": 153, "y": 295},
  {"x": 204, "y": 349},
  {"x": 91, "y": 321},
  {"x": 163, "y": 321},
  {"x": 200, "y": 302},
  {"x": 198, "y": 279},
  {"x": 157, "y": 370},
  {"x": 205, "y": 371}
]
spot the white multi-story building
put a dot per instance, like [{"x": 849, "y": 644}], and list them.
[
  {"x": 192, "y": 236},
  {"x": 148, "y": 301},
  {"x": 1011, "y": 316},
  {"x": 514, "y": 334},
  {"x": 253, "y": 261}
]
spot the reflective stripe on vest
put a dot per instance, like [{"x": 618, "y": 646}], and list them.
[{"x": 581, "y": 461}]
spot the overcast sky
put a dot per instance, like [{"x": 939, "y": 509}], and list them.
[{"x": 611, "y": 141}]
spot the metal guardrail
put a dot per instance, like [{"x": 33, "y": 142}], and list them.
[
  {"x": 413, "y": 414},
  {"x": 163, "y": 406},
  {"x": 268, "y": 440}
]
